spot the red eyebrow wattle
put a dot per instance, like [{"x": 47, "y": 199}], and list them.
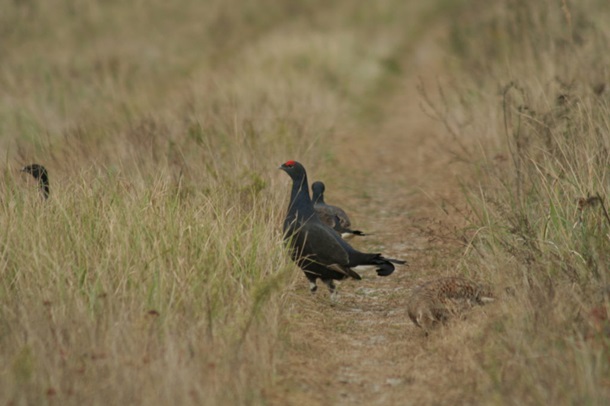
[{"x": 289, "y": 163}]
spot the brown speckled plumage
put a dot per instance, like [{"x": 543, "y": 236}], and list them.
[{"x": 437, "y": 300}]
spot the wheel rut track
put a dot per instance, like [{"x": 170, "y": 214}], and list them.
[{"x": 364, "y": 349}]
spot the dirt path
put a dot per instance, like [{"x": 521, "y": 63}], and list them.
[{"x": 364, "y": 350}]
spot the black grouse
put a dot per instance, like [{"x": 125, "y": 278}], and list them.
[
  {"x": 315, "y": 247},
  {"x": 39, "y": 173},
  {"x": 333, "y": 216}
]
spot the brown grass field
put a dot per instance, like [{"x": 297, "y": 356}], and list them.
[{"x": 470, "y": 138}]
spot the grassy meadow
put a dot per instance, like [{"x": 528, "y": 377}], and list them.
[{"x": 155, "y": 272}]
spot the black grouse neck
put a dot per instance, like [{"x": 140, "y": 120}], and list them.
[
  {"x": 300, "y": 202},
  {"x": 317, "y": 191},
  {"x": 318, "y": 198},
  {"x": 44, "y": 184}
]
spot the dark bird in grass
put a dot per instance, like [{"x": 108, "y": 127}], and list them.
[
  {"x": 315, "y": 247},
  {"x": 39, "y": 173},
  {"x": 333, "y": 216}
]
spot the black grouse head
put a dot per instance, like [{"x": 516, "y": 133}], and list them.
[
  {"x": 37, "y": 171},
  {"x": 318, "y": 191},
  {"x": 294, "y": 169}
]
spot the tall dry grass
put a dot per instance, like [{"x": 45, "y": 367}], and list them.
[
  {"x": 154, "y": 274},
  {"x": 533, "y": 106}
]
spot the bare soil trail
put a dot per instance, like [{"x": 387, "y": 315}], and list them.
[{"x": 364, "y": 349}]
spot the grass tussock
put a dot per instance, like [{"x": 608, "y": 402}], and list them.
[
  {"x": 154, "y": 273},
  {"x": 533, "y": 104}
]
